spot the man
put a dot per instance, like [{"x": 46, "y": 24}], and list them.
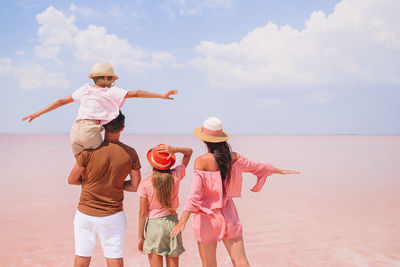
[{"x": 102, "y": 173}]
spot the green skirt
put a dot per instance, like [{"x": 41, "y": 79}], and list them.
[{"x": 157, "y": 239}]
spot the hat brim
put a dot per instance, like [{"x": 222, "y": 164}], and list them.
[
  {"x": 173, "y": 160},
  {"x": 209, "y": 138},
  {"x": 98, "y": 74}
]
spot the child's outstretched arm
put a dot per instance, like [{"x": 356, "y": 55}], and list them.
[
  {"x": 56, "y": 104},
  {"x": 186, "y": 151},
  {"x": 145, "y": 94}
]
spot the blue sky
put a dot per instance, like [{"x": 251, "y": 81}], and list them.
[{"x": 262, "y": 67}]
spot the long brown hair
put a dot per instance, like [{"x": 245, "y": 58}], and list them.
[
  {"x": 222, "y": 154},
  {"x": 163, "y": 183}
]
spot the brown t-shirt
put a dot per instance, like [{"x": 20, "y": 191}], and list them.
[{"x": 105, "y": 171}]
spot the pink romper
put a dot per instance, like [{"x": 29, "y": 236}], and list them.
[{"x": 215, "y": 217}]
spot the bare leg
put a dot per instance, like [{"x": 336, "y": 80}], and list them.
[
  {"x": 235, "y": 248},
  {"x": 115, "y": 262},
  {"x": 82, "y": 261},
  {"x": 155, "y": 260},
  {"x": 172, "y": 261},
  {"x": 208, "y": 254}
]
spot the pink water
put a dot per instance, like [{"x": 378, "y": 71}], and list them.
[{"x": 343, "y": 210}]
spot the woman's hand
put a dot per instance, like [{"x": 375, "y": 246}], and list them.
[
  {"x": 140, "y": 244},
  {"x": 179, "y": 227},
  {"x": 280, "y": 171},
  {"x": 167, "y": 94}
]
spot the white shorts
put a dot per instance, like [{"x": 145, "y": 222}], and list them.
[{"x": 110, "y": 230}]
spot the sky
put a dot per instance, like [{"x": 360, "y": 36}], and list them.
[{"x": 262, "y": 67}]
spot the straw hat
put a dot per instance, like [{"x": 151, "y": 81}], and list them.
[
  {"x": 211, "y": 131},
  {"x": 102, "y": 69},
  {"x": 160, "y": 160}
]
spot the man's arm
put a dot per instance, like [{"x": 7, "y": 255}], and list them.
[
  {"x": 76, "y": 174},
  {"x": 132, "y": 184}
]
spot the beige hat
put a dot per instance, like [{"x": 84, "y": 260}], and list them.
[
  {"x": 102, "y": 69},
  {"x": 211, "y": 131}
]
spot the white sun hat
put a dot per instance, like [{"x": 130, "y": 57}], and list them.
[
  {"x": 211, "y": 131},
  {"x": 102, "y": 69}
]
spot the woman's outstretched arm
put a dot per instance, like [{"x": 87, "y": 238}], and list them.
[{"x": 280, "y": 171}]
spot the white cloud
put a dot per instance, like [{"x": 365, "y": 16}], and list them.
[
  {"x": 5, "y": 66},
  {"x": 31, "y": 76},
  {"x": 20, "y": 53},
  {"x": 193, "y": 7},
  {"x": 358, "y": 43},
  {"x": 34, "y": 76},
  {"x": 58, "y": 33}
]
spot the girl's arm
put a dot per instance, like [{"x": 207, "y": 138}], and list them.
[
  {"x": 180, "y": 226},
  {"x": 56, "y": 104},
  {"x": 142, "y": 221},
  {"x": 280, "y": 171},
  {"x": 145, "y": 94},
  {"x": 186, "y": 151}
]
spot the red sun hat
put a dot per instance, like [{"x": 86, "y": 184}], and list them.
[{"x": 160, "y": 160}]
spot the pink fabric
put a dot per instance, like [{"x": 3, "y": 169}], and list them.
[
  {"x": 206, "y": 199},
  {"x": 146, "y": 190},
  {"x": 211, "y": 132},
  {"x": 101, "y": 104},
  {"x": 223, "y": 224}
]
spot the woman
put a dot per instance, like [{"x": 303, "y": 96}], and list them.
[{"x": 217, "y": 179}]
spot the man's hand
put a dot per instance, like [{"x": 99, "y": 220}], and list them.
[{"x": 167, "y": 94}]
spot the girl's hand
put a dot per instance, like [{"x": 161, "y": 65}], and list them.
[
  {"x": 140, "y": 245},
  {"x": 179, "y": 227},
  {"x": 167, "y": 94},
  {"x": 167, "y": 149},
  {"x": 30, "y": 117}
]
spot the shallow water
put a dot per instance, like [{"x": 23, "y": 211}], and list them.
[{"x": 342, "y": 210}]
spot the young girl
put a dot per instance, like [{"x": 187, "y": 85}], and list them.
[
  {"x": 216, "y": 181},
  {"x": 158, "y": 203},
  {"x": 99, "y": 104}
]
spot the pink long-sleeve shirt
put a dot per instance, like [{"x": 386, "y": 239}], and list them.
[{"x": 206, "y": 193}]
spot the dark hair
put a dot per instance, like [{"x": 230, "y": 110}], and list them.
[
  {"x": 116, "y": 124},
  {"x": 163, "y": 183},
  {"x": 222, "y": 154}
]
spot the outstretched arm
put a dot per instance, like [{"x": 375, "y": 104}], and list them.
[
  {"x": 56, "y": 104},
  {"x": 186, "y": 151},
  {"x": 145, "y": 94},
  {"x": 180, "y": 226},
  {"x": 280, "y": 171}
]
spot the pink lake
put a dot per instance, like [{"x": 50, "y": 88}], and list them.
[{"x": 342, "y": 210}]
